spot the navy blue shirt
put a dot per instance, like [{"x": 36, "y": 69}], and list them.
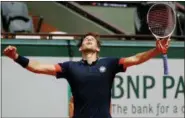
[{"x": 91, "y": 85}]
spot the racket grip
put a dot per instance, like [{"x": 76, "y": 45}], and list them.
[{"x": 165, "y": 64}]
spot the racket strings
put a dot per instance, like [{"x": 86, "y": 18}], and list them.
[{"x": 161, "y": 20}]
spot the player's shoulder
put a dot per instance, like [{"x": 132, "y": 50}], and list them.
[
  {"x": 77, "y": 62},
  {"x": 67, "y": 63},
  {"x": 109, "y": 59}
]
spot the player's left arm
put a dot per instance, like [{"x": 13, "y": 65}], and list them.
[{"x": 161, "y": 48}]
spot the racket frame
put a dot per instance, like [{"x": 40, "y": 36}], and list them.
[
  {"x": 169, "y": 35},
  {"x": 165, "y": 57}
]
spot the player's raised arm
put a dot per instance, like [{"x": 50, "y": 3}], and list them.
[
  {"x": 33, "y": 66},
  {"x": 161, "y": 48}
]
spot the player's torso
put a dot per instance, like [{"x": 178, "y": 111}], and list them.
[
  {"x": 91, "y": 88},
  {"x": 95, "y": 74}
]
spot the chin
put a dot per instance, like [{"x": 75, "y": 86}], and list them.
[{"x": 89, "y": 49}]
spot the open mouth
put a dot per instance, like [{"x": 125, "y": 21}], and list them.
[{"x": 89, "y": 43}]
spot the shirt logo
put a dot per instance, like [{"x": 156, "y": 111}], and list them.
[{"x": 102, "y": 69}]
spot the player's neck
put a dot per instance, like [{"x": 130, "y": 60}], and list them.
[{"x": 89, "y": 57}]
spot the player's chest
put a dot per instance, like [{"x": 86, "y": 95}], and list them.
[{"x": 86, "y": 73}]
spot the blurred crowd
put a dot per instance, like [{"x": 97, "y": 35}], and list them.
[
  {"x": 16, "y": 18},
  {"x": 141, "y": 26}
]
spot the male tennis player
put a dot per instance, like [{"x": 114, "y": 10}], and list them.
[
  {"x": 90, "y": 78},
  {"x": 71, "y": 107}
]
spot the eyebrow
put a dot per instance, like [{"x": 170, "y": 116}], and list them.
[{"x": 91, "y": 37}]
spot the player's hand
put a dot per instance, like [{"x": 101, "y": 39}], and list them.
[
  {"x": 11, "y": 52},
  {"x": 162, "y": 45}
]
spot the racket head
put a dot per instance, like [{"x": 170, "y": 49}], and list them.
[{"x": 161, "y": 20}]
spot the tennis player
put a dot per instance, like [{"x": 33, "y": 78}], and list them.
[
  {"x": 71, "y": 107},
  {"x": 90, "y": 78}
]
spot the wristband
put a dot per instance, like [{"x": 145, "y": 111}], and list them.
[{"x": 23, "y": 61}]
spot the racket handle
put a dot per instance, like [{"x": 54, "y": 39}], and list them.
[{"x": 165, "y": 63}]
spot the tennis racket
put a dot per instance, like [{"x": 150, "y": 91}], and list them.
[{"x": 161, "y": 20}]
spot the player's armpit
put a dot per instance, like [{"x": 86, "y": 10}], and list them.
[
  {"x": 49, "y": 69},
  {"x": 122, "y": 62}
]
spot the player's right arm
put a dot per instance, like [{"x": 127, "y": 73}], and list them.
[{"x": 31, "y": 65}]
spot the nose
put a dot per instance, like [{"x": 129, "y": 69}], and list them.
[{"x": 89, "y": 39}]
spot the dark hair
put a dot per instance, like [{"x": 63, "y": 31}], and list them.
[{"x": 95, "y": 35}]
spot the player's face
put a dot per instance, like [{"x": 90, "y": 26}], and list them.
[{"x": 89, "y": 44}]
